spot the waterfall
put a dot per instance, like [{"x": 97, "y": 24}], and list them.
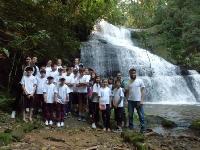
[{"x": 110, "y": 49}]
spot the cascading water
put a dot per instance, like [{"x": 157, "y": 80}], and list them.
[{"x": 110, "y": 49}]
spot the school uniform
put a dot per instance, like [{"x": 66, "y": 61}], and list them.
[
  {"x": 95, "y": 102},
  {"x": 48, "y": 70},
  {"x": 49, "y": 91},
  {"x": 53, "y": 74},
  {"x": 39, "y": 98},
  {"x": 57, "y": 78},
  {"x": 62, "y": 97},
  {"x": 29, "y": 83},
  {"x": 75, "y": 90},
  {"x": 83, "y": 89},
  {"x": 69, "y": 80},
  {"x": 104, "y": 99},
  {"x": 118, "y": 95}
]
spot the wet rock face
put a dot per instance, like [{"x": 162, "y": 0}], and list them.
[{"x": 159, "y": 121}]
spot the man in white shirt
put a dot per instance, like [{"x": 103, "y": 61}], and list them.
[{"x": 135, "y": 97}]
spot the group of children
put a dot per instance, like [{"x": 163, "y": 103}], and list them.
[{"x": 57, "y": 91}]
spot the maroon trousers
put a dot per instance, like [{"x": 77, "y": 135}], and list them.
[
  {"x": 60, "y": 112},
  {"x": 48, "y": 111}
]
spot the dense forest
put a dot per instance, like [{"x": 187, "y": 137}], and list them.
[{"x": 56, "y": 28}]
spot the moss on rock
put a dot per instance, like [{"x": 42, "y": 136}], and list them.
[
  {"x": 132, "y": 137},
  {"x": 195, "y": 125}
]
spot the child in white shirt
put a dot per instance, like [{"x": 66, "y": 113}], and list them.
[
  {"x": 53, "y": 73},
  {"x": 28, "y": 83},
  {"x": 69, "y": 81},
  {"x": 104, "y": 104},
  {"x": 59, "y": 76},
  {"x": 48, "y": 93},
  {"x": 82, "y": 90},
  {"x": 95, "y": 101},
  {"x": 39, "y": 98},
  {"x": 61, "y": 98},
  {"x": 118, "y": 104}
]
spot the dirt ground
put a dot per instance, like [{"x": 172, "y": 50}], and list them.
[{"x": 79, "y": 136}]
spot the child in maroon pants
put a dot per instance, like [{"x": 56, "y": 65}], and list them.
[
  {"x": 48, "y": 92},
  {"x": 61, "y": 97}
]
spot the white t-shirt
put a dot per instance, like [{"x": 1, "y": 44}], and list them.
[
  {"x": 29, "y": 82},
  {"x": 49, "y": 90},
  {"x": 95, "y": 92},
  {"x": 48, "y": 69},
  {"x": 63, "y": 94},
  {"x": 64, "y": 73},
  {"x": 83, "y": 89},
  {"x": 105, "y": 94},
  {"x": 69, "y": 79},
  {"x": 134, "y": 89},
  {"x": 75, "y": 82},
  {"x": 53, "y": 74},
  {"x": 57, "y": 78},
  {"x": 88, "y": 77},
  {"x": 96, "y": 88},
  {"x": 40, "y": 84},
  {"x": 117, "y": 93}
]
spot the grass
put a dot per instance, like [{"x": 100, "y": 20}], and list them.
[{"x": 16, "y": 131}]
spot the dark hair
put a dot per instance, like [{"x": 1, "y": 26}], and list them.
[
  {"x": 62, "y": 79},
  {"x": 53, "y": 64},
  {"x": 81, "y": 70},
  {"x": 29, "y": 69},
  {"x": 117, "y": 81},
  {"x": 132, "y": 69},
  {"x": 60, "y": 69},
  {"x": 42, "y": 71},
  {"x": 50, "y": 78}
]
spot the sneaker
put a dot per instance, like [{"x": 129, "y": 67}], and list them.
[
  {"x": 58, "y": 124},
  {"x": 108, "y": 130},
  {"x": 46, "y": 123},
  {"x": 50, "y": 122},
  {"x": 93, "y": 126},
  {"x": 62, "y": 124},
  {"x": 13, "y": 114},
  {"x": 79, "y": 118}
]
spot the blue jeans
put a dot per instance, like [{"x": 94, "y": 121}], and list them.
[{"x": 131, "y": 106}]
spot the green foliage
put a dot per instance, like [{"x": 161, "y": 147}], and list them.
[
  {"x": 49, "y": 29},
  {"x": 195, "y": 125},
  {"x": 5, "y": 138},
  {"x": 179, "y": 27}
]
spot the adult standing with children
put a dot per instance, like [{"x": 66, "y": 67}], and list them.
[{"x": 135, "y": 97}]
